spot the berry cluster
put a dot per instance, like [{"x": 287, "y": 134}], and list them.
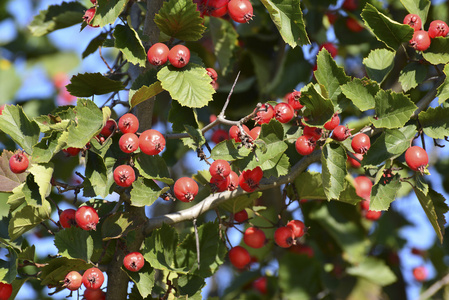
[
  {"x": 178, "y": 56},
  {"x": 92, "y": 279},
  {"x": 421, "y": 38},
  {"x": 240, "y": 11}
]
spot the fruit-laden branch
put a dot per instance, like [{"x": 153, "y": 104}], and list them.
[{"x": 216, "y": 199}]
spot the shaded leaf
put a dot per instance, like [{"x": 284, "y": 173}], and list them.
[
  {"x": 42, "y": 176},
  {"x": 145, "y": 192},
  {"x": 8, "y": 268},
  {"x": 145, "y": 87},
  {"x": 435, "y": 207},
  {"x": 374, "y": 270},
  {"x": 153, "y": 167},
  {"x": 74, "y": 242},
  {"x": 89, "y": 84},
  {"x": 443, "y": 89},
  {"x": 28, "y": 218},
  {"x": 438, "y": 52},
  {"x": 128, "y": 42},
  {"x": 413, "y": 74},
  {"x": 379, "y": 63},
  {"x": 435, "y": 122},
  {"x": 97, "y": 175},
  {"x": 384, "y": 192},
  {"x": 114, "y": 226},
  {"x": 225, "y": 39},
  {"x": 108, "y": 11},
  {"x": 392, "y": 110},
  {"x": 94, "y": 44},
  {"x": 48, "y": 146},
  {"x": 318, "y": 109},
  {"x": 182, "y": 115},
  {"x": 333, "y": 159},
  {"x": 144, "y": 279}
]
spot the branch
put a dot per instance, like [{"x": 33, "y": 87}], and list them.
[
  {"x": 427, "y": 294},
  {"x": 214, "y": 200},
  {"x": 425, "y": 101}
]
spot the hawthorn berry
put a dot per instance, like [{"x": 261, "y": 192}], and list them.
[
  {"x": 254, "y": 237},
  {"x": 249, "y": 179},
  {"x": 283, "y": 236},
  {"x": 94, "y": 294},
  {"x": 73, "y": 280},
  {"x": 158, "y": 54},
  {"x": 179, "y": 56},
  {"x": 128, "y": 123},
  {"x": 67, "y": 218},
  {"x": 124, "y": 175},
  {"x": 420, "y": 273},
  {"x": 350, "y": 5},
  {"x": 330, "y": 47},
  {"x": 108, "y": 128},
  {"x": 87, "y": 218},
  {"x": 216, "y": 8},
  {"x": 293, "y": 100},
  {"x": 305, "y": 145},
  {"x": 297, "y": 227},
  {"x": 265, "y": 114},
  {"x": 93, "y": 278},
  {"x": 240, "y": 11},
  {"x": 438, "y": 28},
  {"x": 260, "y": 284},
  {"x": 220, "y": 169},
  {"x": 233, "y": 181},
  {"x": 354, "y": 163},
  {"x": 302, "y": 249},
  {"x": 134, "y": 261},
  {"x": 239, "y": 257},
  {"x": 341, "y": 133},
  {"x": 416, "y": 158},
  {"x": 185, "y": 189},
  {"x": 219, "y": 135},
  {"x": 360, "y": 143},
  {"x": 363, "y": 187},
  {"x": 151, "y": 142},
  {"x": 241, "y": 216},
  {"x": 334, "y": 122},
  {"x": 353, "y": 25},
  {"x": 414, "y": 21},
  {"x": 129, "y": 142},
  {"x": 373, "y": 215},
  {"x": 71, "y": 151},
  {"x": 18, "y": 163},
  {"x": 89, "y": 15},
  {"x": 284, "y": 112},
  {"x": 212, "y": 73},
  {"x": 314, "y": 132},
  {"x": 5, "y": 290},
  {"x": 420, "y": 40},
  {"x": 234, "y": 132},
  {"x": 219, "y": 184}
]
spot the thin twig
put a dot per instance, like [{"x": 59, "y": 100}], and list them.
[
  {"x": 435, "y": 288},
  {"x": 223, "y": 110},
  {"x": 197, "y": 243},
  {"x": 104, "y": 60}
]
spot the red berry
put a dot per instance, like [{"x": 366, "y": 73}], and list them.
[
  {"x": 363, "y": 187},
  {"x": 260, "y": 284},
  {"x": 219, "y": 184},
  {"x": 241, "y": 11},
  {"x": 293, "y": 100},
  {"x": 5, "y": 291},
  {"x": 334, "y": 122},
  {"x": 129, "y": 142},
  {"x": 2, "y": 107},
  {"x": 373, "y": 215},
  {"x": 341, "y": 133},
  {"x": 72, "y": 280},
  {"x": 109, "y": 128},
  {"x": 234, "y": 132},
  {"x": 220, "y": 169},
  {"x": 67, "y": 218},
  {"x": 93, "y": 278},
  {"x": 241, "y": 216},
  {"x": 134, "y": 261},
  {"x": 249, "y": 179},
  {"x": 151, "y": 142},
  {"x": 360, "y": 143},
  {"x": 179, "y": 56},
  {"x": 305, "y": 145},
  {"x": 124, "y": 175},
  {"x": 71, "y": 151},
  {"x": 158, "y": 54},
  {"x": 350, "y": 5},
  {"x": 219, "y": 135},
  {"x": 353, "y": 162},
  {"x": 233, "y": 181},
  {"x": 353, "y": 25},
  {"x": 297, "y": 227},
  {"x": 302, "y": 249},
  {"x": 420, "y": 40},
  {"x": 212, "y": 73},
  {"x": 332, "y": 17},
  {"x": 254, "y": 237},
  {"x": 265, "y": 114},
  {"x": 239, "y": 257},
  {"x": 255, "y": 132},
  {"x": 128, "y": 123},
  {"x": 216, "y": 8},
  {"x": 284, "y": 112},
  {"x": 330, "y": 47},
  {"x": 89, "y": 15},
  {"x": 438, "y": 28},
  {"x": 87, "y": 218},
  {"x": 414, "y": 21},
  {"x": 416, "y": 158},
  {"x": 185, "y": 189},
  {"x": 18, "y": 163},
  {"x": 283, "y": 236},
  {"x": 420, "y": 273},
  {"x": 94, "y": 295},
  {"x": 314, "y": 132}
]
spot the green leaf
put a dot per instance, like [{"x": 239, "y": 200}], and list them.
[
  {"x": 309, "y": 185},
  {"x": 435, "y": 122},
  {"x": 16, "y": 124},
  {"x": 10, "y": 82},
  {"x": 56, "y": 269},
  {"x": 227, "y": 150},
  {"x": 180, "y": 19},
  {"x": 390, "y": 144},
  {"x": 42, "y": 176},
  {"x": 333, "y": 159},
  {"x": 421, "y": 184},
  {"x": 97, "y": 175},
  {"x": 318, "y": 109},
  {"x": 196, "y": 139},
  {"x": 443, "y": 89},
  {"x": 413, "y": 74},
  {"x": 128, "y": 42},
  {"x": 392, "y": 110},
  {"x": 8, "y": 268},
  {"x": 191, "y": 285},
  {"x": 144, "y": 279},
  {"x": 379, "y": 63},
  {"x": 438, "y": 52},
  {"x": 276, "y": 166},
  {"x": 108, "y": 11},
  {"x": 386, "y": 30},
  {"x": 182, "y": 115},
  {"x": 384, "y": 192},
  {"x": 94, "y": 44},
  {"x": 9, "y": 180},
  {"x": 28, "y": 218},
  {"x": 145, "y": 87},
  {"x": 435, "y": 207},
  {"x": 417, "y": 7},
  {"x": 288, "y": 18},
  {"x": 114, "y": 226},
  {"x": 145, "y": 192},
  {"x": 374, "y": 270},
  {"x": 74, "y": 242},
  {"x": 239, "y": 203},
  {"x": 57, "y": 17},
  {"x": 361, "y": 92},
  {"x": 190, "y": 86},
  {"x": 153, "y": 167},
  {"x": 48, "y": 146},
  {"x": 31, "y": 192},
  {"x": 89, "y": 84},
  {"x": 225, "y": 40}
]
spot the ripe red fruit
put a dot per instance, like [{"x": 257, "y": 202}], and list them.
[
  {"x": 314, "y": 132},
  {"x": 330, "y": 47},
  {"x": 353, "y": 25},
  {"x": 89, "y": 15},
  {"x": 234, "y": 132},
  {"x": 265, "y": 114},
  {"x": 94, "y": 295},
  {"x": 108, "y": 128},
  {"x": 128, "y": 123},
  {"x": 350, "y": 5},
  {"x": 360, "y": 143},
  {"x": 67, "y": 218},
  {"x": 134, "y": 261},
  {"x": 420, "y": 40},
  {"x": 293, "y": 100},
  {"x": 255, "y": 132},
  {"x": 416, "y": 158},
  {"x": 233, "y": 181},
  {"x": 212, "y": 73},
  {"x": 420, "y": 273},
  {"x": 260, "y": 284},
  {"x": 353, "y": 162},
  {"x": 129, "y": 142},
  {"x": 87, "y": 217},
  {"x": 72, "y": 280},
  {"x": 297, "y": 227},
  {"x": 283, "y": 112},
  {"x": 239, "y": 257},
  {"x": 179, "y": 56},
  {"x": 18, "y": 163},
  {"x": 254, "y": 237},
  {"x": 124, "y": 175},
  {"x": 334, "y": 122},
  {"x": 158, "y": 54},
  {"x": 185, "y": 189},
  {"x": 71, "y": 151},
  {"x": 220, "y": 169},
  {"x": 283, "y": 236},
  {"x": 241, "y": 11},
  {"x": 363, "y": 187},
  {"x": 249, "y": 179},
  {"x": 241, "y": 216},
  {"x": 219, "y": 184},
  {"x": 302, "y": 249},
  {"x": 438, "y": 28},
  {"x": 151, "y": 142},
  {"x": 305, "y": 145},
  {"x": 219, "y": 135},
  {"x": 93, "y": 278},
  {"x": 5, "y": 291},
  {"x": 341, "y": 133},
  {"x": 373, "y": 215},
  {"x": 216, "y": 8},
  {"x": 414, "y": 21}
]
